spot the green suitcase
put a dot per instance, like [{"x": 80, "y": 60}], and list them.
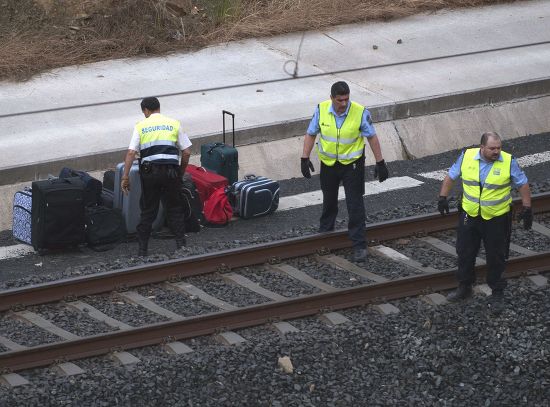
[{"x": 221, "y": 158}]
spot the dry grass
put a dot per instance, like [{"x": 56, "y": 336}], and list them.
[{"x": 39, "y": 35}]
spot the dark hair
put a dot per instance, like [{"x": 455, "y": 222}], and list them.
[
  {"x": 485, "y": 136},
  {"x": 339, "y": 89},
  {"x": 151, "y": 103}
]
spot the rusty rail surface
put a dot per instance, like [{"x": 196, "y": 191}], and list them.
[
  {"x": 234, "y": 258},
  {"x": 254, "y": 315}
]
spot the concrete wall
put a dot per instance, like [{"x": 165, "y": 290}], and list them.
[{"x": 412, "y": 137}]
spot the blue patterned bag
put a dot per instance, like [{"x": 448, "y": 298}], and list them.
[{"x": 21, "y": 226}]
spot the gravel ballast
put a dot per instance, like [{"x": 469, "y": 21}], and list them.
[{"x": 453, "y": 355}]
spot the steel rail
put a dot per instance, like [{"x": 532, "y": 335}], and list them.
[
  {"x": 254, "y": 315},
  {"x": 241, "y": 257}
]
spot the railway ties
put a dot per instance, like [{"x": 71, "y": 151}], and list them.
[{"x": 310, "y": 282}]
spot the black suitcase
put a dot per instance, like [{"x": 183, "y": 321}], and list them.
[
  {"x": 109, "y": 180},
  {"x": 254, "y": 196},
  {"x": 92, "y": 186},
  {"x": 104, "y": 226},
  {"x": 107, "y": 198},
  {"x": 221, "y": 158},
  {"x": 57, "y": 213}
]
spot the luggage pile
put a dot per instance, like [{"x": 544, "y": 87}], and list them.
[
  {"x": 224, "y": 196},
  {"x": 75, "y": 208},
  {"x": 66, "y": 212}
]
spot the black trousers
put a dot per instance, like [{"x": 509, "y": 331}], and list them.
[
  {"x": 352, "y": 176},
  {"x": 495, "y": 236},
  {"x": 161, "y": 182}
]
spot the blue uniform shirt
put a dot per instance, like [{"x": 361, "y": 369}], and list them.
[
  {"x": 517, "y": 175},
  {"x": 367, "y": 129}
]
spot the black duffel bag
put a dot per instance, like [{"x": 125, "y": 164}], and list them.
[
  {"x": 105, "y": 227},
  {"x": 92, "y": 186},
  {"x": 192, "y": 205}
]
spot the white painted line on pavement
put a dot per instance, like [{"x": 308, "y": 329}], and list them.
[
  {"x": 18, "y": 250},
  {"x": 371, "y": 188},
  {"x": 437, "y": 175},
  {"x": 525, "y": 161}
]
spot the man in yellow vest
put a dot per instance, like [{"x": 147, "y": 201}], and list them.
[
  {"x": 344, "y": 125},
  {"x": 158, "y": 139},
  {"x": 488, "y": 174}
]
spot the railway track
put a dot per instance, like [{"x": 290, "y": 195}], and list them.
[{"x": 325, "y": 251}]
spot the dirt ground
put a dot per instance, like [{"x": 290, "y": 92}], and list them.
[{"x": 39, "y": 35}]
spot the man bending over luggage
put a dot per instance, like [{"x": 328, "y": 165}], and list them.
[{"x": 158, "y": 139}]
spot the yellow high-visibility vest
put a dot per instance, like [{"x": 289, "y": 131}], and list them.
[
  {"x": 345, "y": 144},
  {"x": 158, "y": 137},
  {"x": 491, "y": 199}
]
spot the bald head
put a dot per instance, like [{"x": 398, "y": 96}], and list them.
[{"x": 489, "y": 135}]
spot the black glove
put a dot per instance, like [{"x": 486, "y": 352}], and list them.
[
  {"x": 381, "y": 171},
  {"x": 307, "y": 166},
  {"x": 527, "y": 216},
  {"x": 443, "y": 205}
]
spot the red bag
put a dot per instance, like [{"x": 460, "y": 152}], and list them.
[
  {"x": 217, "y": 209},
  {"x": 205, "y": 181}
]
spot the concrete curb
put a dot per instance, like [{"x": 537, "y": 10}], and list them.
[{"x": 277, "y": 131}]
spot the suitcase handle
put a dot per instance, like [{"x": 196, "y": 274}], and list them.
[{"x": 224, "y": 112}]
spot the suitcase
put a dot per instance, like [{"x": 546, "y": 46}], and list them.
[
  {"x": 129, "y": 204},
  {"x": 106, "y": 197},
  {"x": 104, "y": 226},
  {"x": 221, "y": 158},
  {"x": 92, "y": 186},
  {"x": 57, "y": 213},
  {"x": 109, "y": 180},
  {"x": 205, "y": 181},
  {"x": 22, "y": 219},
  {"x": 254, "y": 196}
]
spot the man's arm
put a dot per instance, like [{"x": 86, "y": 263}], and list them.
[
  {"x": 446, "y": 186},
  {"x": 309, "y": 142},
  {"x": 374, "y": 144},
  {"x": 185, "y": 154},
  {"x": 125, "y": 180},
  {"x": 128, "y": 160},
  {"x": 525, "y": 193}
]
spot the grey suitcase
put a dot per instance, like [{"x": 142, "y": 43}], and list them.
[
  {"x": 254, "y": 196},
  {"x": 22, "y": 219},
  {"x": 129, "y": 204}
]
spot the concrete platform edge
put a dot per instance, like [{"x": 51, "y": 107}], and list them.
[{"x": 276, "y": 131}]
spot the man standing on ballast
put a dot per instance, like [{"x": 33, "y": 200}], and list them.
[
  {"x": 159, "y": 140},
  {"x": 343, "y": 125},
  {"x": 488, "y": 175}
]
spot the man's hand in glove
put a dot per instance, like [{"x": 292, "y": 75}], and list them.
[
  {"x": 307, "y": 167},
  {"x": 381, "y": 171},
  {"x": 125, "y": 185},
  {"x": 443, "y": 205},
  {"x": 527, "y": 216}
]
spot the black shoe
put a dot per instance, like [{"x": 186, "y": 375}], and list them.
[
  {"x": 496, "y": 302},
  {"x": 360, "y": 255},
  {"x": 463, "y": 292},
  {"x": 180, "y": 243}
]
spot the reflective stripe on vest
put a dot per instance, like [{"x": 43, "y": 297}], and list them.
[
  {"x": 493, "y": 198},
  {"x": 158, "y": 137},
  {"x": 343, "y": 144}
]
